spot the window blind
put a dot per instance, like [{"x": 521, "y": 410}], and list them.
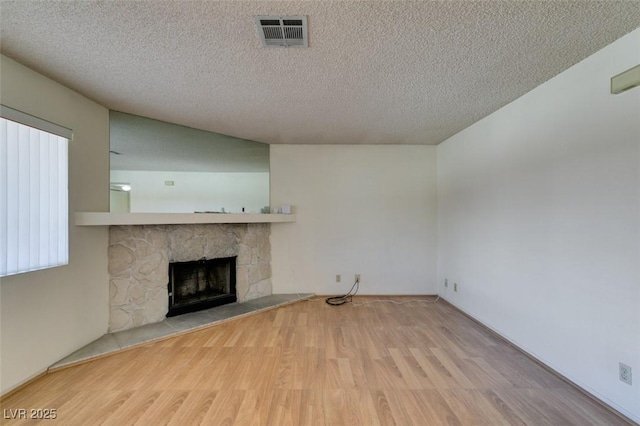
[{"x": 34, "y": 211}]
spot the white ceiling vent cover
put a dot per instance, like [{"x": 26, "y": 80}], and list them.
[{"x": 282, "y": 31}]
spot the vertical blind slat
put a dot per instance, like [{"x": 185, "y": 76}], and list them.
[
  {"x": 34, "y": 220},
  {"x": 12, "y": 198},
  {"x": 3, "y": 194},
  {"x": 63, "y": 201},
  {"x": 24, "y": 135}
]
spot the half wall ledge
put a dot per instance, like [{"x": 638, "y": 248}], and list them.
[{"x": 106, "y": 219}]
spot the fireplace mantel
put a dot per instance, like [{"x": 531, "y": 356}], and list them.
[{"x": 106, "y": 219}]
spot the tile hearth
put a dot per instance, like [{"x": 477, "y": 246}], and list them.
[{"x": 114, "y": 342}]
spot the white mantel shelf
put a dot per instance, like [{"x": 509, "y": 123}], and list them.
[{"x": 106, "y": 219}]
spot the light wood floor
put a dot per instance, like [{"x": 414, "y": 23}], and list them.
[{"x": 310, "y": 363}]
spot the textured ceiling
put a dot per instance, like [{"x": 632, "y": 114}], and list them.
[{"x": 375, "y": 72}]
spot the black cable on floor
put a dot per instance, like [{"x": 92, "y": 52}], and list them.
[{"x": 341, "y": 300}]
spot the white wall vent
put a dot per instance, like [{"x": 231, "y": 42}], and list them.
[{"x": 282, "y": 31}]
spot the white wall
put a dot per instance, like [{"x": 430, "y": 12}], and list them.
[
  {"x": 539, "y": 223},
  {"x": 368, "y": 210},
  {"x": 194, "y": 191},
  {"x": 47, "y": 314}
]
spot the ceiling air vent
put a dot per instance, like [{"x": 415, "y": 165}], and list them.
[{"x": 282, "y": 31}]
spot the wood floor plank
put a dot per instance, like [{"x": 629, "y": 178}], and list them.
[
  {"x": 285, "y": 407},
  {"x": 225, "y": 408},
  {"x": 472, "y": 407},
  {"x": 503, "y": 408},
  {"x": 540, "y": 407},
  {"x": 311, "y": 410},
  {"x": 448, "y": 362},
  {"x": 482, "y": 374},
  {"x": 96, "y": 406},
  {"x": 163, "y": 409},
  {"x": 587, "y": 412},
  {"x": 344, "y": 367},
  {"x": 309, "y": 363},
  {"x": 247, "y": 409},
  {"x": 383, "y": 410},
  {"x": 193, "y": 409},
  {"x": 412, "y": 380},
  {"x": 427, "y": 404},
  {"x": 132, "y": 409},
  {"x": 434, "y": 370}
]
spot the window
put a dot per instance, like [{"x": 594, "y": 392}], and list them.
[{"x": 34, "y": 208}]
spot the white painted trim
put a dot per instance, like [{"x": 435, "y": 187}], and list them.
[
  {"x": 105, "y": 219},
  {"x": 35, "y": 122}
]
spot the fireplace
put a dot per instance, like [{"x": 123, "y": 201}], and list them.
[
  {"x": 201, "y": 284},
  {"x": 139, "y": 258}
]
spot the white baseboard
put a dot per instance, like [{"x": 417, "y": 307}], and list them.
[{"x": 16, "y": 386}]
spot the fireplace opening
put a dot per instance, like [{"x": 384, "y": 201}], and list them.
[{"x": 201, "y": 284}]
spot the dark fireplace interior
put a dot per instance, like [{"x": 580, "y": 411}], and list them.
[{"x": 201, "y": 284}]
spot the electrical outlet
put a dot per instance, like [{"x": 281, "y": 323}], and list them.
[
  {"x": 338, "y": 278},
  {"x": 625, "y": 373},
  {"x": 357, "y": 277},
  {"x": 455, "y": 286},
  {"x": 446, "y": 283}
]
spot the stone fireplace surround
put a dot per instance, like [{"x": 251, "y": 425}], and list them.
[{"x": 139, "y": 257}]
